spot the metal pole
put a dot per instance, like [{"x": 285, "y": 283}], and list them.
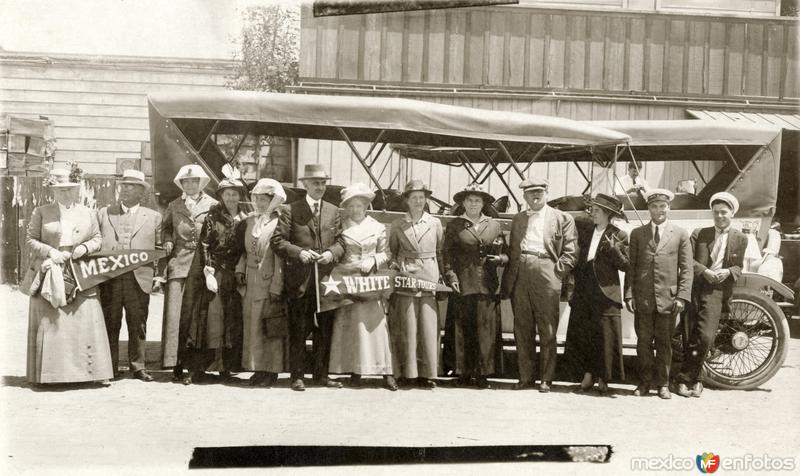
[{"x": 363, "y": 162}]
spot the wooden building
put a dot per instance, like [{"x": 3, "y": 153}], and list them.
[
  {"x": 585, "y": 60},
  {"x": 98, "y": 103}
]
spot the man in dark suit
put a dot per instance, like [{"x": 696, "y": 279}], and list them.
[
  {"x": 129, "y": 225},
  {"x": 718, "y": 259},
  {"x": 309, "y": 231},
  {"x": 543, "y": 251},
  {"x": 658, "y": 285}
]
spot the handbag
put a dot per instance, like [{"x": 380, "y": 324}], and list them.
[{"x": 275, "y": 319}]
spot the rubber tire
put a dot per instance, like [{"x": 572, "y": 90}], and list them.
[{"x": 757, "y": 298}]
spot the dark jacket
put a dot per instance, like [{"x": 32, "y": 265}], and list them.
[
  {"x": 607, "y": 262},
  {"x": 297, "y": 231},
  {"x": 465, "y": 248},
  {"x": 182, "y": 228},
  {"x": 657, "y": 275},
  {"x": 703, "y": 243}
]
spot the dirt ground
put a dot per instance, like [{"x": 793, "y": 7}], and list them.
[{"x": 134, "y": 428}]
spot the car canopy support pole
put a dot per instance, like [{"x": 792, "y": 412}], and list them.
[
  {"x": 510, "y": 159},
  {"x": 361, "y": 159},
  {"x": 491, "y": 161},
  {"x": 208, "y": 138},
  {"x": 732, "y": 159},
  {"x": 535, "y": 158},
  {"x": 473, "y": 174},
  {"x": 705, "y": 182}
]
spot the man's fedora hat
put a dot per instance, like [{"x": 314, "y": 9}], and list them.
[
  {"x": 314, "y": 171},
  {"x": 134, "y": 177}
]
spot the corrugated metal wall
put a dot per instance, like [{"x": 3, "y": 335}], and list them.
[{"x": 98, "y": 104}]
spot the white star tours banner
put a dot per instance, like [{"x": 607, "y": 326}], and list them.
[
  {"x": 93, "y": 269},
  {"x": 343, "y": 286}
]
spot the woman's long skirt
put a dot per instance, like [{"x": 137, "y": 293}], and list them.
[
  {"x": 68, "y": 344},
  {"x": 360, "y": 340},
  {"x": 477, "y": 334},
  {"x": 414, "y": 334},
  {"x": 173, "y": 296},
  {"x": 263, "y": 349},
  {"x": 594, "y": 333}
]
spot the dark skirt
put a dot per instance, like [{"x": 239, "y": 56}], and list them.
[
  {"x": 594, "y": 333},
  {"x": 211, "y": 324},
  {"x": 477, "y": 334}
]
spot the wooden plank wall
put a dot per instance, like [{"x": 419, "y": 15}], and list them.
[
  {"x": 532, "y": 48},
  {"x": 98, "y": 105},
  {"x": 20, "y": 195}
]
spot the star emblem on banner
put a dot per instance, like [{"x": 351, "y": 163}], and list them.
[{"x": 331, "y": 285}]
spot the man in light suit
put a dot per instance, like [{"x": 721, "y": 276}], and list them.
[
  {"x": 543, "y": 252},
  {"x": 308, "y": 232},
  {"x": 718, "y": 260},
  {"x": 658, "y": 286},
  {"x": 129, "y": 225}
]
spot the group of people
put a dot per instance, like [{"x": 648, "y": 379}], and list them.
[{"x": 241, "y": 290}]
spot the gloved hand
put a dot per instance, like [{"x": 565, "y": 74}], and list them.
[
  {"x": 211, "y": 281},
  {"x": 367, "y": 265},
  {"x": 56, "y": 256},
  {"x": 79, "y": 251}
]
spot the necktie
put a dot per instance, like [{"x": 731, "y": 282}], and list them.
[
  {"x": 316, "y": 209},
  {"x": 657, "y": 236},
  {"x": 716, "y": 252}
]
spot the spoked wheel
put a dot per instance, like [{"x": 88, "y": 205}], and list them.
[{"x": 751, "y": 342}]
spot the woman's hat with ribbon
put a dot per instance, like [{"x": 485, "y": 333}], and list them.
[
  {"x": 474, "y": 189},
  {"x": 611, "y": 204},
  {"x": 357, "y": 190},
  {"x": 268, "y": 186},
  {"x": 60, "y": 178},
  {"x": 192, "y": 171}
]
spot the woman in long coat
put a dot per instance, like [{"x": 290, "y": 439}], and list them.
[
  {"x": 473, "y": 249},
  {"x": 415, "y": 245},
  {"x": 180, "y": 230},
  {"x": 360, "y": 340},
  {"x": 594, "y": 333},
  {"x": 67, "y": 343},
  {"x": 265, "y": 344},
  {"x": 211, "y": 311}
]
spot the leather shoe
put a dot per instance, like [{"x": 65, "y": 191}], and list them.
[
  {"x": 258, "y": 378},
  {"x": 523, "y": 385},
  {"x": 642, "y": 390},
  {"x": 298, "y": 385},
  {"x": 328, "y": 382},
  {"x": 270, "y": 379},
  {"x": 104, "y": 383},
  {"x": 427, "y": 383},
  {"x": 683, "y": 390},
  {"x": 390, "y": 383},
  {"x": 143, "y": 376},
  {"x": 697, "y": 389},
  {"x": 664, "y": 393},
  {"x": 482, "y": 383},
  {"x": 544, "y": 388},
  {"x": 602, "y": 387},
  {"x": 355, "y": 381}
]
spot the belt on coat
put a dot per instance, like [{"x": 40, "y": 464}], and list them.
[
  {"x": 189, "y": 245},
  {"x": 538, "y": 254},
  {"x": 416, "y": 254}
]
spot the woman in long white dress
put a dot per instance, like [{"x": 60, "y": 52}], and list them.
[
  {"x": 67, "y": 340},
  {"x": 265, "y": 340},
  {"x": 360, "y": 341}
]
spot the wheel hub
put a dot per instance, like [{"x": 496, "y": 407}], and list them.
[{"x": 740, "y": 341}]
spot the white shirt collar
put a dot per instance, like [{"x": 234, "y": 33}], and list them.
[
  {"x": 132, "y": 209},
  {"x": 311, "y": 202},
  {"x": 540, "y": 212},
  {"x": 660, "y": 227}
]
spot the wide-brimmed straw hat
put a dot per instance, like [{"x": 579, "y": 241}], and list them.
[
  {"x": 192, "y": 171},
  {"x": 133, "y": 177},
  {"x": 60, "y": 178},
  {"x": 474, "y": 189},
  {"x": 314, "y": 171},
  {"x": 727, "y": 198},
  {"x": 357, "y": 190},
  {"x": 612, "y": 204},
  {"x": 416, "y": 185}
]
